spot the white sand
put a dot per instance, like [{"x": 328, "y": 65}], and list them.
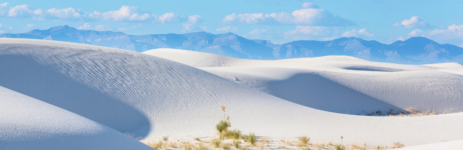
[
  {"x": 28, "y": 123},
  {"x": 153, "y": 97},
  {"x": 338, "y": 83},
  {"x": 451, "y": 145}
]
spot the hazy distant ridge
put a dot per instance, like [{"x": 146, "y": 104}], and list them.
[{"x": 413, "y": 50}]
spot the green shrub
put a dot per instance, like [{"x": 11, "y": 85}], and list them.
[
  {"x": 236, "y": 144},
  {"x": 216, "y": 143},
  {"x": 251, "y": 138},
  {"x": 222, "y": 126},
  {"x": 226, "y": 147},
  {"x": 339, "y": 147},
  {"x": 233, "y": 134},
  {"x": 304, "y": 140}
]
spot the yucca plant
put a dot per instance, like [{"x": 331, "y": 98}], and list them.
[
  {"x": 222, "y": 126},
  {"x": 304, "y": 140}
]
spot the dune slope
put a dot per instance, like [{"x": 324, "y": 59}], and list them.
[
  {"x": 152, "y": 97},
  {"x": 28, "y": 123},
  {"x": 338, "y": 83}
]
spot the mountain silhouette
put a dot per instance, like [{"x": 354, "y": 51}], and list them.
[{"x": 415, "y": 50}]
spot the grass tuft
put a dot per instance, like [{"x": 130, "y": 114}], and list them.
[
  {"x": 216, "y": 143},
  {"x": 236, "y": 144},
  {"x": 304, "y": 140}
]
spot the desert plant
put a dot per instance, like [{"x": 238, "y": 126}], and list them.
[
  {"x": 251, "y": 138},
  {"x": 172, "y": 144},
  {"x": 356, "y": 146},
  {"x": 151, "y": 144},
  {"x": 223, "y": 109},
  {"x": 262, "y": 141},
  {"x": 158, "y": 145},
  {"x": 187, "y": 146},
  {"x": 226, "y": 147},
  {"x": 165, "y": 138},
  {"x": 236, "y": 144},
  {"x": 216, "y": 143},
  {"x": 222, "y": 126},
  {"x": 234, "y": 134},
  {"x": 244, "y": 137},
  {"x": 339, "y": 147},
  {"x": 304, "y": 140},
  {"x": 200, "y": 146},
  {"x": 398, "y": 145}
]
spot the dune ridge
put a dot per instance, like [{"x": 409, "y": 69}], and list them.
[{"x": 109, "y": 86}]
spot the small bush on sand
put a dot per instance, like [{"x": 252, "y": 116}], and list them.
[
  {"x": 251, "y": 138},
  {"x": 398, "y": 145},
  {"x": 226, "y": 147},
  {"x": 236, "y": 144},
  {"x": 200, "y": 146},
  {"x": 233, "y": 134},
  {"x": 165, "y": 138},
  {"x": 339, "y": 147},
  {"x": 222, "y": 126},
  {"x": 187, "y": 146},
  {"x": 304, "y": 140},
  {"x": 216, "y": 143}
]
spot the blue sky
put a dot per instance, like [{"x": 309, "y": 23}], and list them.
[{"x": 276, "y": 20}]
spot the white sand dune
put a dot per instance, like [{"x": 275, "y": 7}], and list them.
[
  {"x": 450, "y": 145},
  {"x": 28, "y": 123},
  {"x": 153, "y": 97},
  {"x": 338, "y": 83}
]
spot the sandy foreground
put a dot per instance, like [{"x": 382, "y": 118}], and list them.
[{"x": 55, "y": 95}]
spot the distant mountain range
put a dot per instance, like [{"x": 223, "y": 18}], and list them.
[{"x": 416, "y": 50}]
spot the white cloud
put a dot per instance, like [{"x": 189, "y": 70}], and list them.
[
  {"x": 453, "y": 34},
  {"x": 193, "y": 24},
  {"x": 309, "y": 15},
  {"x": 29, "y": 26},
  {"x": 401, "y": 38},
  {"x": 87, "y": 26},
  {"x": 416, "y": 32},
  {"x": 4, "y": 4},
  {"x": 194, "y": 19},
  {"x": 63, "y": 13},
  {"x": 227, "y": 29},
  {"x": 357, "y": 33},
  {"x": 38, "y": 12},
  {"x": 123, "y": 14},
  {"x": 414, "y": 22},
  {"x": 19, "y": 10},
  {"x": 257, "y": 31},
  {"x": 3, "y": 9},
  {"x": 168, "y": 17},
  {"x": 309, "y": 5}
]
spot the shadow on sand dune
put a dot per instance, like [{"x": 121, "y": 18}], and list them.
[
  {"x": 315, "y": 91},
  {"x": 24, "y": 75}
]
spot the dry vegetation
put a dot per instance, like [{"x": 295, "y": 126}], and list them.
[{"x": 236, "y": 140}]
